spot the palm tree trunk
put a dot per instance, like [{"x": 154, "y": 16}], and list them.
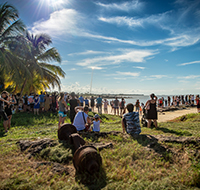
[{"x": 23, "y": 86}]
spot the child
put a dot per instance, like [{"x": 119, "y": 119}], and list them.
[
  {"x": 96, "y": 123},
  {"x": 131, "y": 122}
]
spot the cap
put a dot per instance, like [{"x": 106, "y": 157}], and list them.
[{"x": 96, "y": 116}]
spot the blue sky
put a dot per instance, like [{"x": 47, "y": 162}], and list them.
[{"x": 136, "y": 46}]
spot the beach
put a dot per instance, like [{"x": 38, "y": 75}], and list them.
[{"x": 163, "y": 116}]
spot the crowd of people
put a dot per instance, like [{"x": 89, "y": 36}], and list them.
[{"x": 78, "y": 107}]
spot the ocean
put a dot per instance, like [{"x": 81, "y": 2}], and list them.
[{"x": 142, "y": 99}]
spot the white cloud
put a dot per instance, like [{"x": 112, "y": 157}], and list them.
[
  {"x": 189, "y": 77},
  {"x": 96, "y": 68},
  {"x": 88, "y": 52},
  {"x": 125, "y": 6},
  {"x": 153, "y": 77},
  {"x": 128, "y": 74},
  {"x": 188, "y": 63},
  {"x": 137, "y": 22},
  {"x": 60, "y": 23},
  {"x": 125, "y": 55},
  {"x": 138, "y": 67}
]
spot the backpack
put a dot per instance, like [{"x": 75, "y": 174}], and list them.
[{"x": 30, "y": 99}]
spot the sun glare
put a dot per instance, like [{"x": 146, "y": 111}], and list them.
[{"x": 54, "y": 3}]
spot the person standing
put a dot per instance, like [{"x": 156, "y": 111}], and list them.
[
  {"x": 62, "y": 109},
  {"x": 47, "y": 102},
  {"x": 3, "y": 100},
  {"x": 86, "y": 102},
  {"x": 92, "y": 103},
  {"x": 42, "y": 96},
  {"x": 73, "y": 103},
  {"x": 81, "y": 99},
  {"x": 122, "y": 106},
  {"x": 105, "y": 106},
  {"x": 36, "y": 104},
  {"x": 198, "y": 103},
  {"x": 116, "y": 106},
  {"x": 151, "y": 110},
  {"x": 99, "y": 104},
  {"x": 8, "y": 109},
  {"x": 137, "y": 106}
]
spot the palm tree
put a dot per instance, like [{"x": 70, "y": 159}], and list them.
[
  {"x": 32, "y": 51},
  {"x": 10, "y": 26}
]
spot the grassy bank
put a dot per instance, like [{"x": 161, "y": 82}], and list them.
[{"x": 132, "y": 163}]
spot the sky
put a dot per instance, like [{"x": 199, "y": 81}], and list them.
[{"x": 121, "y": 46}]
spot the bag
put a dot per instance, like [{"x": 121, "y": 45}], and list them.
[{"x": 87, "y": 126}]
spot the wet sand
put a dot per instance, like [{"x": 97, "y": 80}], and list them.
[{"x": 169, "y": 115}]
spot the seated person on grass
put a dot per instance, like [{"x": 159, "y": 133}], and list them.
[{"x": 131, "y": 121}]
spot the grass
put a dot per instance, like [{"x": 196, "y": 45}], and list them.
[{"x": 132, "y": 163}]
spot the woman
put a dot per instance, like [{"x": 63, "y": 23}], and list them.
[
  {"x": 36, "y": 104},
  {"x": 8, "y": 108},
  {"x": 122, "y": 106},
  {"x": 62, "y": 113},
  {"x": 47, "y": 103},
  {"x": 151, "y": 110}
]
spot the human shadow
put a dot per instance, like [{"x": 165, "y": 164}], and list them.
[
  {"x": 151, "y": 142},
  {"x": 95, "y": 181}
]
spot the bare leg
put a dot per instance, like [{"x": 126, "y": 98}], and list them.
[
  {"x": 155, "y": 122},
  {"x": 60, "y": 121},
  {"x": 5, "y": 125},
  {"x": 149, "y": 123},
  {"x": 9, "y": 121}
]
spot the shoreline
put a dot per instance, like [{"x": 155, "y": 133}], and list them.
[{"x": 164, "y": 115}]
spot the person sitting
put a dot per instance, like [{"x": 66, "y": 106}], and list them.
[
  {"x": 130, "y": 121},
  {"x": 81, "y": 120},
  {"x": 96, "y": 123}
]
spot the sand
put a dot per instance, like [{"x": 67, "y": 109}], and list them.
[{"x": 169, "y": 115}]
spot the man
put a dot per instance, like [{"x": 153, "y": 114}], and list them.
[
  {"x": 92, "y": 103},
  {"x": 3, "y": 98},
  {"x": 81, "y": 120},
  {"x": 99, "y": 104},
  {"x": 81, "y": 99},
  {"x": 130, "y": 121},
  {"x": 116, "y": 106}
]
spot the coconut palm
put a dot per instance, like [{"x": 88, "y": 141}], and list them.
[
  {"x": 32, "y": 51},
  {"x": 10, "y": 26}
]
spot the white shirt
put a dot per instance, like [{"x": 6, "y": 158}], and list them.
[{"x": 79, "y": 122}]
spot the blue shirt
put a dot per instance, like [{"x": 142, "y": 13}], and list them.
[
  {"x": 86, "y": 101},
  {"x": 99, "y": 100},
  {"x": 42, "y": 98},
  {"x": 81, "y": 99}
]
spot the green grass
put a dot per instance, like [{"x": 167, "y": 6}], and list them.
[{"x": 130, "y": 164}]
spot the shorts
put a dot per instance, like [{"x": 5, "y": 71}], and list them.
[
  {"x": 198, "y": 105},
  {"x": 3, "y": 114},
  {"x": 116, "y": 107},
  {"x": 61, "y": 114}
]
